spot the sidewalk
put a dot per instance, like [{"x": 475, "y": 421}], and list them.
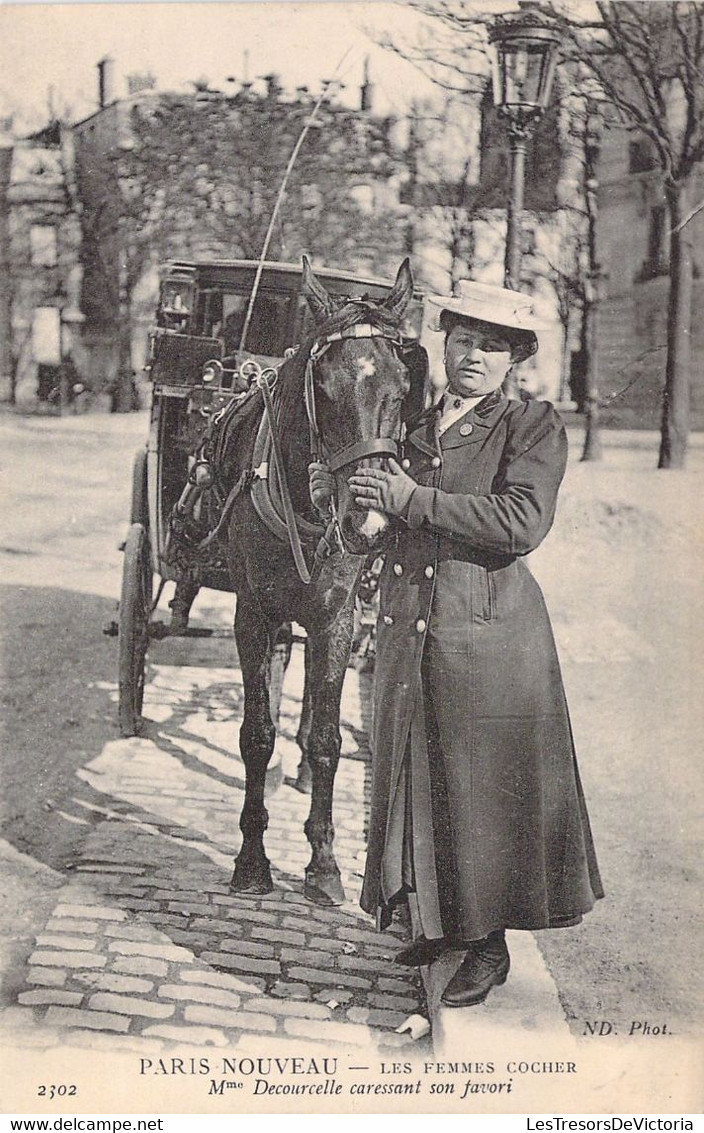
[
  {"x": 146, "y": 947},
  {"x": 147, "y": 943}
]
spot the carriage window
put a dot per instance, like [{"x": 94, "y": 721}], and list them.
[{"x": 222, "y": 315}]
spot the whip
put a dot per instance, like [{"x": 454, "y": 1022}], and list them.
[{"x": 279, "y": 199}]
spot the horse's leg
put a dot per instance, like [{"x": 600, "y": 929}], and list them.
[
  {"x": 303, "y": 774},
  {"x": 257, "y": 737},
  {"x": 280, "y": 657},
  {"x": 329, "y": 656},
  {"x": 184, "y": 597}
]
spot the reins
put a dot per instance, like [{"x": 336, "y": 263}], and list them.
[{"x": 264, "y": 380}]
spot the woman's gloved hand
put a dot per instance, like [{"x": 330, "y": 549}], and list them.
[
  {"x": 321, "y": 485},
  {"x": 386, "y": 491}
]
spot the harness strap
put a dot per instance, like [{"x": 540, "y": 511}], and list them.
[
  {"x": 358, "y": 451},
  {"x": 286, "y": 504}
]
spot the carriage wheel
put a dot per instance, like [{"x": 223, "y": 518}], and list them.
[
  {"x": 139, "y": 511},
  {"x": 133, "y": 636}
]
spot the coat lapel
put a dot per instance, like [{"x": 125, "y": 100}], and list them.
[
  {"x": 424, "y": 434},
  {"x": 482, "y": 419}
]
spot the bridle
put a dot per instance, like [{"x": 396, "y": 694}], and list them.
[
  {"x": 358, "y": 450},
  {"x": 348, "y": 454}
]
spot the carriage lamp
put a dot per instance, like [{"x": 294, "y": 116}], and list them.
[
  {"x": 526, "y": 48},
  {"x": 212, "y": 371}
]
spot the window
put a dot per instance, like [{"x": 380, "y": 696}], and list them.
[
  {"x": 42, "y": 245},
  {"x": 641, "y": 158},
  {"x": 46, "y": 336}
]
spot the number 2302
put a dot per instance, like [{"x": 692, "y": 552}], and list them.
[{"x": 57, "y": 1091}]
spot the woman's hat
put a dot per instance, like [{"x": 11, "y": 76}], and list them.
[{"x": 515, "y": 311}]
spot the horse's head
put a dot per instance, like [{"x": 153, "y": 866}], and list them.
[{"x": 356, "y": 388}]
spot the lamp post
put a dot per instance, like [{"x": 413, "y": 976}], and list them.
[{"x": 526, "y": 46}]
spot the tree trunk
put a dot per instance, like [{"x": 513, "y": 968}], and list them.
[
  {"x": 676, "y": 395},
  {"x": 592, "y": 438}
]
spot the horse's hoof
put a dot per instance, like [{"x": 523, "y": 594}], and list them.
[
  {"x": 248, "y": 880},
  {"x": 323, "y": 888}
]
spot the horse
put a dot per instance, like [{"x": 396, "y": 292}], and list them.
[{"x": 340, "y": 396}]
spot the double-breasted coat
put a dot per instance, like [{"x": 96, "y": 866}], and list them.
[{"x": 491, "y": 812}]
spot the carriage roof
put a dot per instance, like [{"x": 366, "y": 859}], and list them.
[{"x": 275, "y": 274}]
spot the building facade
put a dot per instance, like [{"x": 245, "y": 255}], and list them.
[
  {"x": 633, "y": 249},
  {"x": 40, "y": 270}
]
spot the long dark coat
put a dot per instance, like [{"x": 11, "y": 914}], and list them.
[{"x": 466, "y": 656}]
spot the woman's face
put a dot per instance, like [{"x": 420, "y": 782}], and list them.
[{"x": 477, "y": 358}]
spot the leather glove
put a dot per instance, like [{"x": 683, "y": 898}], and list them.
[
  {"x": 321, "y": 485},
  {"x": 386, "y": 491}
]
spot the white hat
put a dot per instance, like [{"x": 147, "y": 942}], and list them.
[{"x": 514, "y": 310}]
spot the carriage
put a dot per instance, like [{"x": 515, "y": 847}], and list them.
[{"x": 207, "y": 344}]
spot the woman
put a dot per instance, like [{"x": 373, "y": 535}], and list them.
[{"x": 477, "y": 813}]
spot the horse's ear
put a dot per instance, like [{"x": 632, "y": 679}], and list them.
[
  {"x": 318, "y": 299},
  {"x": 401, "y": 293}
]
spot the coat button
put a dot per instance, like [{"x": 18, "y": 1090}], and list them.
[
  {"x": 420, "y": 625},
  {"x": 405, "y": 463},
  {"x": 466, "y": 429},
  {"x": 435, "y": 462},
  {"x": 429, "y": 571},
  {"x": 388, "y": 620},
  {"x": 398, "y": 569}
]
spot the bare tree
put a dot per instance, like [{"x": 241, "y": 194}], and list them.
[{"x": 648, "y": 60}]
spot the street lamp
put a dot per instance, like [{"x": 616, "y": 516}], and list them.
[{"x": 526, "y": 48}]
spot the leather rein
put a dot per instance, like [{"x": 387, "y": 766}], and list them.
[{"x": 348, "y": 454}]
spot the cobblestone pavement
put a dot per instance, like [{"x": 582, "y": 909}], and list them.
[{"x": 146, "y": 943}]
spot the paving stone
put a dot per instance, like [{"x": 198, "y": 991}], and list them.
[
  {"x": 242, "y": 963},
  {"x": 247, "y": 947},
  {"x": 290, "y": 990},
  {"x": 394, "y": 1002},
  {"x": 254, "y": 916},
  {"x": 108, "y": 981},
  {"x": 119, "y": 889},
  {"x": 278, "y": 935},
  {"x": 130, "y": 931},
  {"x": 93, "y": 1020},
  {"x": 135, "y": 905},
  {"x": 69, "y": 924},
  {"x": 144, "y": 948},
  {"x": 190, "y": 895},
  {"x": 184, "y": 1035},
  {"x": 336, "y": 917},
  {"x": 221, "y": 979},
  {"x": 303, "y": 956},
  {"x": 226, "y": 899},
  {"x": 90, "y": 912},
  {"x": 241, "y": 1020},
  {"x": 359, "y": 964},
  {"x": 58, "y": 940},
  {"x": 50, "y": 995},
  {"x": 167, "y": 920},
  {"x": 225, "y": 927},
  {"x": 68, "y": 960},
  {"x": 140, "y": 966},
  {"x": 186, "y": 908},
  {"x": 330, "y": 944},
  {"x": 376, "y": 1017},
  {"x": 330, "y": 979},
  {"x": 129, "y": 1005},
  {"x": 47, "y": 977},
  {"x": 215, "y": 996},
  {"x": 299, "y": 925},
  {"x": 399, "y": 986},
  {"x": 337, "y": 995},
  {"x": 290, "y": 1007},
  {"x": 320, "y": 1031}
]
